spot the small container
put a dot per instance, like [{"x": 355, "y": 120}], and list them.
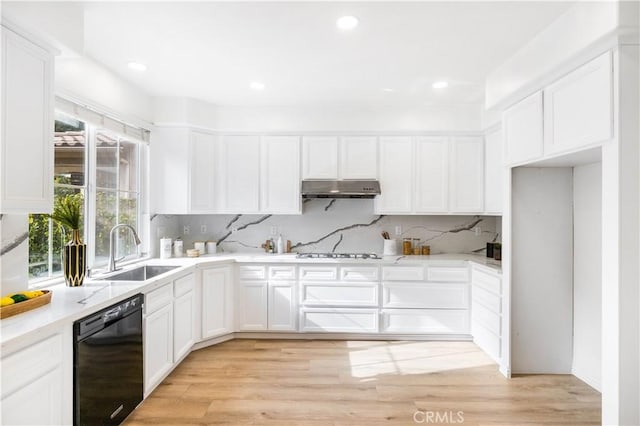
[
  {"x": 406, "y": 246},
  {"x": 490, "y": 249},
  {"x": 497, "y": 251},
  {"x": 193, "y": 253},
  {"x": 200, "y": 246},
  {"x": 426, "y": 250},
  {"x": 165, "y": 248},
  {"x": 178, "y": 248},
  {"x": 212, "y": 247},
  {"x": 416, "y": 246},
  {"x": 389, "y": 248}
]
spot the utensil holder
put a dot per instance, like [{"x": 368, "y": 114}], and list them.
[{"x": 390, "y": 248}]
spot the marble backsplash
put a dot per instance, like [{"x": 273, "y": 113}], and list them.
[{"x": 340, "y": 225}]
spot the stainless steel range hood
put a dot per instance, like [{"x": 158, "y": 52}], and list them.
[{"x": 340, "y": 188}]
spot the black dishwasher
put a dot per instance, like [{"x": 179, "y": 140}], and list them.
[{"x": 108, "y": 364}]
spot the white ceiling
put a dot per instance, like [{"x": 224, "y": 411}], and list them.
[{"x": 212, "y": 51}]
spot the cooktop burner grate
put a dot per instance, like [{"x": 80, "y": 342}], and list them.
[{"x": 338, "y": 256}]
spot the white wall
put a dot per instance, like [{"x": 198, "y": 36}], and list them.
[
  {"x": 579, "y": 27},
  {"x": 587, "y": 274},
  {"x": 541, "y": 270},
  {"x": 171, "y": 110}
]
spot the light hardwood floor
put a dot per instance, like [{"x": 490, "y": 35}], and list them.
[{"x": 318, "y": 382}]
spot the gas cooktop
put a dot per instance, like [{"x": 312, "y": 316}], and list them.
[{"x": 337, "y": 256}]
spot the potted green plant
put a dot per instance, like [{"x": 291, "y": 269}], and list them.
[{"x": 67, "y": 211}]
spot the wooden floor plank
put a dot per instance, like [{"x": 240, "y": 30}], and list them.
[{"x": 333, "y": 382}]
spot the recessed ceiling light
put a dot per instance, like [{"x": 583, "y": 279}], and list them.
[
  {"x": 387, "y": 89},
  {"x": 440, "y": 85},
  {"x": 137, "y": 66},
  {"x": 347, "y": 22},
  {"x": 256, "y": 85}
]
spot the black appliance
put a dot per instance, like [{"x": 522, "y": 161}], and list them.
[
  {"x": 364, "y": 256},
  {"x": 108, "y": 364}
]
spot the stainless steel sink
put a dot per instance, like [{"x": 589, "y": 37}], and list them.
[{"x": 141, "y": 273}]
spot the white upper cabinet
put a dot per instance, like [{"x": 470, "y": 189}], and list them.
[
  {"x": 358, "y": 157},
  {"x": 578, "y": 108},
  {"x": 202, "y": 154},
  {"x": 523, "y": 130},
  {"x": 280, "y": 175},
  {"x": 466, "y": 175},
  {"x": 239, "y": 174},
  {"x": 26, "y": 159},
  {"x": 432, "y": 180},
  {"x": 319, "y": 157},
  {"x": 493, "y": 172},
  {"x": 396, "y": 175}
]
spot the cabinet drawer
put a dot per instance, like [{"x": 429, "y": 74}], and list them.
[
  {"x": 339, "y": 320},
  {"x": 340, "y": 294},
  {"x": 282, "y": 272},
  {"x": 487, "y": 341},
  {"x": 252, "y": 272},
  {"x": 183, "y": 285},
  {"x": 487, "y": 281},
  {"x": 448, "y": 274},
  {"x": 158, "y": 298},
  {"x": 311, "y": 273},
  {"x": 359, "y": 273},
  {"x": 487, "y": 318},
  {"x": 403, "y": 273},
  {"x": 425, "y": 295},
  {"x": 434, "y": 321},
  {"x": 489, "y": 300},
  {"x": 26, "y": 365}
]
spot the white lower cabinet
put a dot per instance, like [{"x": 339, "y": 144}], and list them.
[
  {"x": 37, "y": 383},
  {"x": 282, "y": 308},
  {"x": 158, "y": 346},
  {"x": 251, "y": 306},
  {"x": 431, "y": 299},
  {"x": 263, "y": 304},
  {"x": 169, "y": 328},
  {"x": 486, "y": 311},
  {"x": 184, "y": 314},
  {"x": 217, "y": 301},
  {"x": 339, "y": 320},
  {"x": 428, "y": 321}
]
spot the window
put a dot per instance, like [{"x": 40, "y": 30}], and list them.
[{"x": 106, "y": 169}]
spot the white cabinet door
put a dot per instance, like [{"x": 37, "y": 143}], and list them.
[
  {"x": 319, "y": 157},
  {"x": 280, "y": 175},
  {"x": 522, "y": 127},
  {"x": 578, "y": 108},
  {"x": 282, "y": 308},
  {"x": 493, "y": 172},
  {"x": 39, "y": 374},
  {"x": 239, "y": 174},
  {"x": 158, "y": 346},
  {"x": 251, "y": 306},
  {"x": 396, "y": 175},
  {"x": 466, "y": 175},
  {"x": 432, "y": 178},
  {"x": 358, "y": 157},
  {"x": 26, "y": 169},
  {"x": 217, "y": 302},
  {"x": 202, "y": 187},
  {"x": 184, "y": 308}
]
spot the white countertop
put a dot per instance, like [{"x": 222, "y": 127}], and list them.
[{"x": 69, "y": 304}]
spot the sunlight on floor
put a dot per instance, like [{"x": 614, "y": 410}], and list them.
[{"x": 370, "y": 359}]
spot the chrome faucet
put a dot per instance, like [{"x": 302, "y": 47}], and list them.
[{"x": 112, "y": 244}]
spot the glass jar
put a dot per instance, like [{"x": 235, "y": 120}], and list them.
[
  {"x": 416, "y": 246},
  {"x": 406, "y": 246},
  {"x": 426, "y": 250}
]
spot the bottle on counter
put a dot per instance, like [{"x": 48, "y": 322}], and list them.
[{"x": 280, "y": 244}]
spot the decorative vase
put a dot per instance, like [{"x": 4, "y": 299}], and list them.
[{"x": 74, "y": 260}]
